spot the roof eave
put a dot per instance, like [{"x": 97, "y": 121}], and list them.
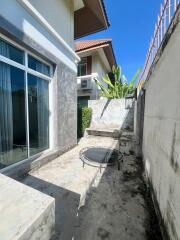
[
  {"x": 97, "y": 46},
  {"x": 108, "y": 51},
  {"x": 96, "y": 12}
]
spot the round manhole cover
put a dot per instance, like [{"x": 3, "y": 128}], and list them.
[{"x": 99, "y": 156}]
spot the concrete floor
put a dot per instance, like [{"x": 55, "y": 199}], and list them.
[
  {"x": 94, "y": 205},
  {"x": 115, "y": 209}
]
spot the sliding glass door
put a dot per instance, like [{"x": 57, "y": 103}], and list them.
[
  {"x": 24, "y": 104},
  {"x": 13, "y": 146},
  {"x": 38, "y": 114}
]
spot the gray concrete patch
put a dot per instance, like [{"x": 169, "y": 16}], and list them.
[
  {"x": 117, "y": 208},
  {"x": 106, "y": 132},
  {"x": 94, "y": 205},
  {"x": 111, "y": 113},
  {"x": 68, "y": 182}
]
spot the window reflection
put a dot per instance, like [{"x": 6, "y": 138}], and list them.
[
  {"x": 11, "y": 52},
  {"x": 38, "y": 66},
  {"x": 13, "y": 147},
  {"x": 38, "y": 98},
  {"x": 82, "y": 67},
  {"x": 14, "y": 126}
]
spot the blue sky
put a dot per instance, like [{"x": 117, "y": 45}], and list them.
[{"x": 132, "y": 26}]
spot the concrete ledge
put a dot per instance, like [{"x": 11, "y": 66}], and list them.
[
  {"x": 113, "y": 133},
  {"x": 26, "y": 214},
  {"x": 20, "y": 169}
]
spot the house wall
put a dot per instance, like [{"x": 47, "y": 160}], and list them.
[
  {"x": 33, "y": 29},
  {"x": 18, "y": 24},
  {"x": 161, "y": 141},
  {"x": 60, "y": 15},
  {"x": 98, "y": 66}
]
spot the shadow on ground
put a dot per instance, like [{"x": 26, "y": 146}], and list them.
[
  {"x": 66, "y": 206},
  {"x": 118, "y": 208}
]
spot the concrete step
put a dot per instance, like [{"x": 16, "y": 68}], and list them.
[
  {"x": 108, "y": 132},
  {"x": 25, "y": 212}
]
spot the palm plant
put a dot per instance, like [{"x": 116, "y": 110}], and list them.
[{"x": 120, "y": 88}]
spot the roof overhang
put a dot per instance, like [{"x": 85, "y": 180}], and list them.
[
  {"x": 109, "y": 52},
  {"x": 78, "y": 4},
  {"x": 90, "y": 19},
  {"x": 104, "y": 59},
  {"x": 106, "y": 47}
]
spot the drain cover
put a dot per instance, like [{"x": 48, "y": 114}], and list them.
[{"x": 99, "y": 156}]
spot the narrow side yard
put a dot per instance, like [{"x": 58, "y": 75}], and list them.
[{"x": 95, "y": 205}]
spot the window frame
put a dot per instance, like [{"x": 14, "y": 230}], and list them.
[
  {"x": 27, "y": 71},
  {"x": 85, "y": 63}
]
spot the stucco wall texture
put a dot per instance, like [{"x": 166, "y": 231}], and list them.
[
  {"x": 111, "y": 114},
  {"x": 64, "y": 93},
  {"x": 161, "y": 140}
]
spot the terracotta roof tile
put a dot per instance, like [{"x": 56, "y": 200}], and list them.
[{"x": 88, "y": 44}]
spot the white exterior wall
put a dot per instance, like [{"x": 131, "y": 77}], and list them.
[
  {"x": 99, "y": 69},
  {"x": 44, "y": 41},
  {"x": 98, "y": 66},
  {"x": 60, "y": 15},
  {"x": 161, "y": 142},
  {"x": 16, "y": 14}
]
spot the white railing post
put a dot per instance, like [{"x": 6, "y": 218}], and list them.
[
  {"x": 161, "y": 19},
  {"x": 169, "y": 12},
  {"x": 165, "y": 15},
  {"x": 158, "y": 32},
  {"x": 155, "y": 38},
  {"x": 151, "y": 53},
  {"x": 175, "y": 5}
]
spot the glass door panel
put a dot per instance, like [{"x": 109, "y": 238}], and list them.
[
  {"x": 13, "y": 143},
  {"x": 38, "y": 100}
]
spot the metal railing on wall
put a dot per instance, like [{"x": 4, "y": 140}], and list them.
[{"x": 167, "y": 11}]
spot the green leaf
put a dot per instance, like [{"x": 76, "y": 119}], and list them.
[
  {"x": 135, "y": 77},
  {"x": 124, "y": 79},
  {"x": 107, "y": 81},
  {"x": 118, "y": 89},
  {"x": 113, "y": 69},
  {"x": 104, "y": 90},
  {"x": 118, "y": 73}
]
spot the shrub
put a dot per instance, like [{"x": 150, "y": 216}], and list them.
[{"x": 84, "y": 120}]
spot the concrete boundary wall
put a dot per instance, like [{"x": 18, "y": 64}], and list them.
[
  {"x": 161, "y": 134},
  {"x": 111, "y": 114}
]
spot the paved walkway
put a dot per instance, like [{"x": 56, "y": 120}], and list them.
[
  {"x": 94, "y": 205},
  {"x": 68, "y": 182}
]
